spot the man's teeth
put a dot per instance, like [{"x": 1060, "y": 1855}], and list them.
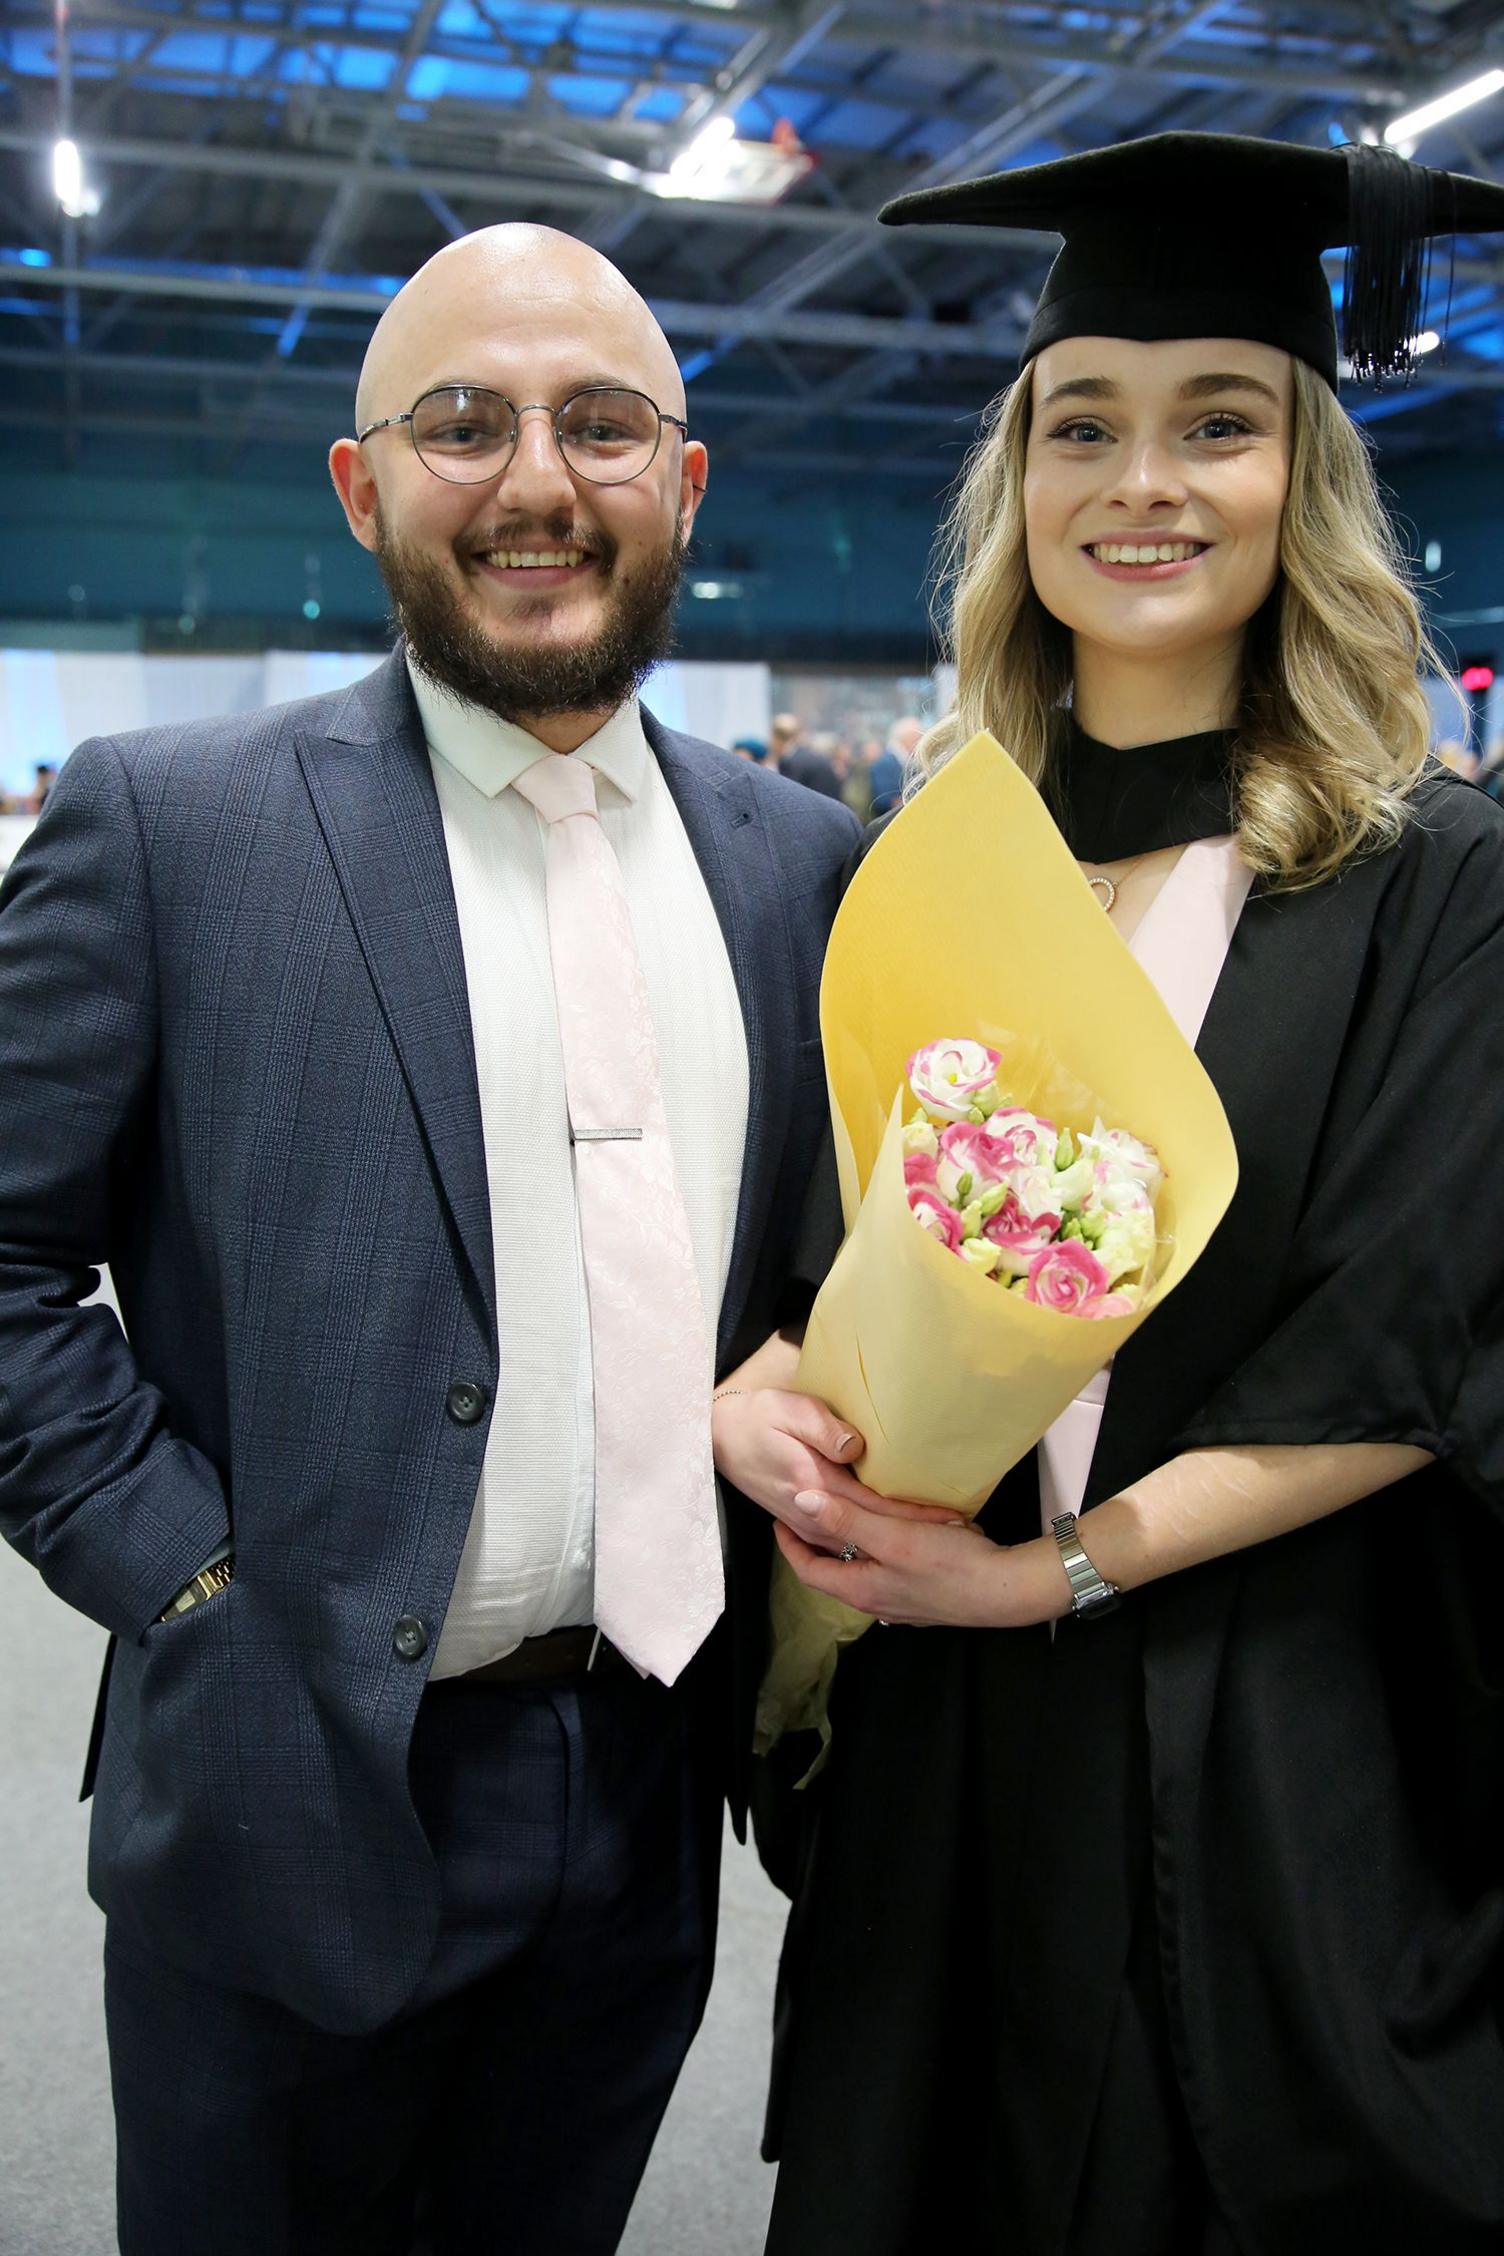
[
  {"x": 516, "y": 559},
  {"x": 1130, "y": 552}
]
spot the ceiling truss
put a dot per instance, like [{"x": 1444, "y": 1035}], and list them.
[{"x": 271, "y": 169}]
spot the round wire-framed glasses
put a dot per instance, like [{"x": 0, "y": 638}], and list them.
[{"x": 465, "y": 433}]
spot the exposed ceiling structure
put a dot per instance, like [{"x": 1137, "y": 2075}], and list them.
[{"x": 267, "y": 171}]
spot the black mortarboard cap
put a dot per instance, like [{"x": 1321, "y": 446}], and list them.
[{"x": 1221, "y": 235}]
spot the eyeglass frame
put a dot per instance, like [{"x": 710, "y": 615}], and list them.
[{"x": 555, "y": 414}]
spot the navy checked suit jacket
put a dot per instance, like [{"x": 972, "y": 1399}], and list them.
[{"x": 236, "y": 1063}]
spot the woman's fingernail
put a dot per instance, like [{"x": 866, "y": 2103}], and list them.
[
  {"x": 844, "y": 1441},
  {"x": 808, "y": 1501}
]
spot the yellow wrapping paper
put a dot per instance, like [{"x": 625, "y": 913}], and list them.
[{"x": 969, "y": 918}]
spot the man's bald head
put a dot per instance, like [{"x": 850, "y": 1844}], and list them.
[{"x": 452, "y": 320}]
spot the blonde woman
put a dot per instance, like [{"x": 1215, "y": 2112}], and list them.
[{"x": 1153, "y": 1898}]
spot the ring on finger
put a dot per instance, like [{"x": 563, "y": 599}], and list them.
[{"x": 847, "y": 1553}]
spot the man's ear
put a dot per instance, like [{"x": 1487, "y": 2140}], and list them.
[
  {"x": 356, "y": 489},
  {"x": 693, "y": 484}
]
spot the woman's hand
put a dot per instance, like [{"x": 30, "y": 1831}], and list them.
[
  {"x": 920, "y": 1573},
  {"x": 773, "y": 1444}
]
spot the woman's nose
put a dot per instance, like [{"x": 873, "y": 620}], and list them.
[{"x": 1145, "y": 473}]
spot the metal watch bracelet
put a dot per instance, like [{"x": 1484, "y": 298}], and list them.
[
  {"x": 207, "y": 1583},
  {"x": 1091, "y": 1593}
]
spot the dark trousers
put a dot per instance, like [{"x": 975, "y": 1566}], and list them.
[{"x": 511, "y": 2105}]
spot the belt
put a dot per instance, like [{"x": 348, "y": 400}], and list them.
[{"x": 545, "y": 1660}]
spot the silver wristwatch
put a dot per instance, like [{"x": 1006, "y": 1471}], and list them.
[{"x": 1091, "y": 1593}]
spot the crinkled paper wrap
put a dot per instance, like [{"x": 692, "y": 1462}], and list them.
[{"x": 970, "y": 918}]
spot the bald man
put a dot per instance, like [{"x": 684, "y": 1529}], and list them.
[{"x": 436, "y": 1065}]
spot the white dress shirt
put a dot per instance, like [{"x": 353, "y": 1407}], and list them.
[{"x": 528, "y": 1563}]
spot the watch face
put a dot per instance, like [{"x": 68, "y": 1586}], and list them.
[{"x": 1104, "y": 1599}]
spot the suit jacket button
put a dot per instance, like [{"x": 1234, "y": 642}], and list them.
[
  {"x": 466, "y": 1402},
  {"x": 409, "y": 1639}
]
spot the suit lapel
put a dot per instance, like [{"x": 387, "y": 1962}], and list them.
[
  {"x": 717, "y": 808},
  {"x": 373, "y": 793}
]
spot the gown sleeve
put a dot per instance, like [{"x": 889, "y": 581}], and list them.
[{"x": 1390, "y": 1323}]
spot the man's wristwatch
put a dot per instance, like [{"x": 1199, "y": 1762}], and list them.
[
  {"x": 205, "y": 1584},
  {"x": 1091, "y": 1593}
]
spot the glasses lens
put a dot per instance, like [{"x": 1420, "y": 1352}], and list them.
[
  {"x": 608, "y": 436},
  {"x": 463, "y": 433}
]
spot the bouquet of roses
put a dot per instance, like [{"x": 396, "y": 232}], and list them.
[
  {"x": 1068, "y": 1221},
  {"x": 953, "y": 1346}
]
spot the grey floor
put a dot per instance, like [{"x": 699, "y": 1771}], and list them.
[{"x": 705, "y": 2194}]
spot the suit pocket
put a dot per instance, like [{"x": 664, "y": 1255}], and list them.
[{"x": 179, "y": 1625}]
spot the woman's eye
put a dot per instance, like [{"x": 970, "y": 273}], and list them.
[
  {"x": 1223, "y": 427},
  {"x": 1083, "y": 429}
]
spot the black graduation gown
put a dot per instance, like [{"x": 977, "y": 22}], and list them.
[{"x": 1276, "y": 1781}]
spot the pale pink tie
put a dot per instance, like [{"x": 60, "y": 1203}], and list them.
[{"x": 659, "y": 1588}]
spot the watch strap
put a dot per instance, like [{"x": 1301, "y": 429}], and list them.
[
  {"x": 1091, "y": 1593},
  {"x": 207, "y": 1583}
]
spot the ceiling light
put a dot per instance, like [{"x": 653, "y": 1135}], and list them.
[
  {"x": 707, "y": 152},
  {"x": 1421, "y": 120},
  {"x": 78, "y": 202},
  {"x": 718, "y": 168}
]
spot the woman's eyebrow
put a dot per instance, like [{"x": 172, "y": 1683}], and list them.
[
  {"x": 1083, "y": 387},
  {"x": 1196, "y": 387},
  {"x": 1203, "y": 387}
]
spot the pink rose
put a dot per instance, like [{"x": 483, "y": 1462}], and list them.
[
  {"x": 919, "y": 1170},
  {"x": 1019, "y": 1236},
  {"x": 1126, "y": 1158},
  {"x": 932, "y": 1214},
  {"x": 1109, "y": 1304},
  {"x": 948, "y": 1076},
  {"x": 1064, "y": 1276},
  {"x": 1035, "y": 1190},
  {"x": 966, "y": 1149},
  {"x": 1027, "y": 1140}
]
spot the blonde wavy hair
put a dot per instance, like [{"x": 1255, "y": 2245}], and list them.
[{"x": 1332, "y": 729}]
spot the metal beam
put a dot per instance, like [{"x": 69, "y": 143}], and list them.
[
  {"x": 1048, "y": 106},
  {"x": 348, "y": 196},
  {"x": 956, "y": 36},
  {"x": 805, "y": 463},
  {"x": 413, "y": 179},
  {"x": 162, "y": 368},
  {"x": 497, "y": 186},
  {"x": 855, "y": 332}
]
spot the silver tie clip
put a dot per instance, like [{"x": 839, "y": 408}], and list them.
[{"x": 605, "y": 1135}]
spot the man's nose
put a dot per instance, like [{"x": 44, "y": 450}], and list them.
[{"x": 537, "y": 477}]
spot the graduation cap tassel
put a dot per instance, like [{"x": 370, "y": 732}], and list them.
[{"x": 1383, "y": 284}]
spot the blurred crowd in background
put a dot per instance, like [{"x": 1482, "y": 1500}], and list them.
[
  {"x": 1485, "y": 768},
  {"x": 868, "y": 773},
  {"x": 30, "y": 802}
]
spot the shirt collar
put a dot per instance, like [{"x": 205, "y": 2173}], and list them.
[{"x": 491, "y": 754}]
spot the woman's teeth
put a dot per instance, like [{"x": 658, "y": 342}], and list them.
[
  {"x": 1129, "y": 552},
  {"x": 520, "y": 559}
]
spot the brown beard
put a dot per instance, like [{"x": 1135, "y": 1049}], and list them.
[{"x": 518, "y": 683}]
